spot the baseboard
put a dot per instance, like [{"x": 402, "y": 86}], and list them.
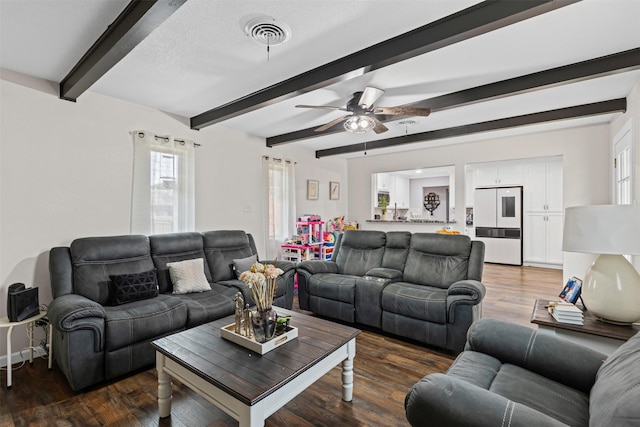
[
  {"x": 542, "y": 265},
  {"x": 17, "y": 357}
]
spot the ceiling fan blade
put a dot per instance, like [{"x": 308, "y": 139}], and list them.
[
  {"x": 322, "y": 107},
  {"x": 332, "y": 123},
  {"x": 379, "y": 127},
  {"x": 369, "y": 97},
  {"x": 402, "y": 111}
]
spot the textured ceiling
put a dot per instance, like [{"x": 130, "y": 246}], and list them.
[{"x": 200, "y": 58}]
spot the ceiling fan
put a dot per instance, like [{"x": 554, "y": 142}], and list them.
[{"x": 363, "y": 112}]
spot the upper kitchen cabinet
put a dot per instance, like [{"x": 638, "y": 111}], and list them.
[
  {"x": 400, "y": 193},
  {"x": 383, "y": 181},
  {"x": 543, "y": 186},
  {"x": 503, "y": 175}
]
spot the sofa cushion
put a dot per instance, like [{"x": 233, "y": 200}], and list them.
[
  {"x": 173, "y": 247},
  {"x": 188, "y": 276},
  {"x": 133, "y": 287},
  {"x": 437, "y": 259},
  {"x": 396, "y": 249},
  {"x": 203, "y": 307},
  {"x": 616, "y": 392},
  {"x": 415, "y": 301},
  {"x": 94, "y": 259},
  {"x": 243, "y": 264},
  {"x": 221, "y": 247},
  {"x": 337, "y": 287},
  {"x": 141, "y": 320},
  {"x": 520, "y": 385},
  {"x": 360, "y": 251}
]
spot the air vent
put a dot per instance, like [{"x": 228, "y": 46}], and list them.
[{"x": 266, "y": 31}]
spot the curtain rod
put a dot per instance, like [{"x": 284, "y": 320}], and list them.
[
  {"x": 166, "y": 139},
  {"x": 279, "y": 160}
]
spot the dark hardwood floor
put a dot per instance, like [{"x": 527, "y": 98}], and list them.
[{"x": 384, "y": 369}]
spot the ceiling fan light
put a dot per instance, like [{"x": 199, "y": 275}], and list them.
[{"x": 359, "y": 124}]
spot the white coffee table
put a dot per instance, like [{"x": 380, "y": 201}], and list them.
[{"x": 245, "y": 385}]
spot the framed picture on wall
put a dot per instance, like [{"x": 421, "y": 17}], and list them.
[
  {"x": 334, "y": 190},
  {"x": 312, "y": 189}
]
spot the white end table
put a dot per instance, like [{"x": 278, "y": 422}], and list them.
[{"x": 5, "y": 323}]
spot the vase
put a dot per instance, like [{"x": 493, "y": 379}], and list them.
[{"x": 264, "y": 324}]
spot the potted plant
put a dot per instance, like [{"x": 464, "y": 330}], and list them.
[{"x": 383, "y": 202}]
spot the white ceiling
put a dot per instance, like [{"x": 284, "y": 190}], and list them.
[{"x": 200, "y": 58}]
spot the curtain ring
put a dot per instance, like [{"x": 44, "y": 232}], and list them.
[{"x": 140, "y": 134}]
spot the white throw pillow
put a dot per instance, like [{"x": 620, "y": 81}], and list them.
[{"x": 188, "y": 276}]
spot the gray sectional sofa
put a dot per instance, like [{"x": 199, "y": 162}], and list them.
[
  {"x": 422, "y": 286},
  {"x": 102, "y": 330},
  {"x": 511, "y": 375}
]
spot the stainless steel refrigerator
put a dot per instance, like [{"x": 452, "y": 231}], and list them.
[{"x": 497, "y": 217}]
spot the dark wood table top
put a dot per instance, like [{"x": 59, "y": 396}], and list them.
[
  {"x": 591, "y": 325},
  {"x": 247, "y": 375}
]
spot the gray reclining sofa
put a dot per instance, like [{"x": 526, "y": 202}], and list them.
[
  {"x": 511, "y": 375},
  {"x": 97, "y": 337},
  {"x": 422, "y": 286}
]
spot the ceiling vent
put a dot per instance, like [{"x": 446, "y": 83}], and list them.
[{"x": 266, "y": 31}]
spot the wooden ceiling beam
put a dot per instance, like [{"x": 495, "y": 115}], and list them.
[
  {"x": 585, "y": 110},
  {"x": 468, "y": 23},
  {"x": 593, "y": 68},
  {"x": 133, "y": 25}
]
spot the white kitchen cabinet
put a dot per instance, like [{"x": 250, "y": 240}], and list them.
[
  {"x": 542, "y": 238},
  {"x": 383, "y": 182},
  {"x": 543, "y": 187},
  {"x": 498, "y": 176},
  {"x": 401, "y": 192}
]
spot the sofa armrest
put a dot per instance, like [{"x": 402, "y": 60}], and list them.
[
  {"x": 473, "y": 289},
  {"x": 74, "y": 312},
  {"x": 282, "y": 264},
  {"x": 316, "y": 266},
  {"x": 385, "y": 273},
  {"x": 463, "y": 292},
  {"x": 442, "y": 400},
  {"x": 555, "y": 358}
]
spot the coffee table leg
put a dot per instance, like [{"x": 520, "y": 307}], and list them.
[
  {"x": 164, "y": 388},
  {"x": 347, "y": 372}
]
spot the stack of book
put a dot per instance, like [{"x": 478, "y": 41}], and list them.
[{"x": 565, "y": 312}]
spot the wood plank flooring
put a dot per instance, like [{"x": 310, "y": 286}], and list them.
[{"x": 384, "y": 370}]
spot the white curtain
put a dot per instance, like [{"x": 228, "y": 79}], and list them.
[
  {"x": 280, "y": 203},
  {"x": 163, "y": 195}
]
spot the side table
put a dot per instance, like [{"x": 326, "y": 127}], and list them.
[
  {"x": 5, "y": 323},
  {"x": 600, "y": 336}
]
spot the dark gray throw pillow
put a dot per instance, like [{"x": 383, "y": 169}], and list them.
[
  {"x": 133, "y": 287},
  {"x": 244, "y": 264}
]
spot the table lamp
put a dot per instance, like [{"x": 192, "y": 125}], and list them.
[{"x": 611, "y": 287}]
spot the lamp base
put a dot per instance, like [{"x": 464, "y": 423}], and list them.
[{"x": 611, "y": 290}]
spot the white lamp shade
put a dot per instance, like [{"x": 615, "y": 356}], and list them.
[{"x": 602, "y": 229}]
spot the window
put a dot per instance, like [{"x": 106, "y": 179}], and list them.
[
  {"x": 280, "y": 203},
  {"x": 163, "y": 185}
]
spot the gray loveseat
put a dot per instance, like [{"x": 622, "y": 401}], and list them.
[
  {"x": 101, "y": 332},
  {"x": 422, "y": 286},
  {"x": 511, "y": 375}
]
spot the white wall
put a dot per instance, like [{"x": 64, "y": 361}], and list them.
[
  {"x": 585, "y": 152},
  {"x": 66, "y": 170}
]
